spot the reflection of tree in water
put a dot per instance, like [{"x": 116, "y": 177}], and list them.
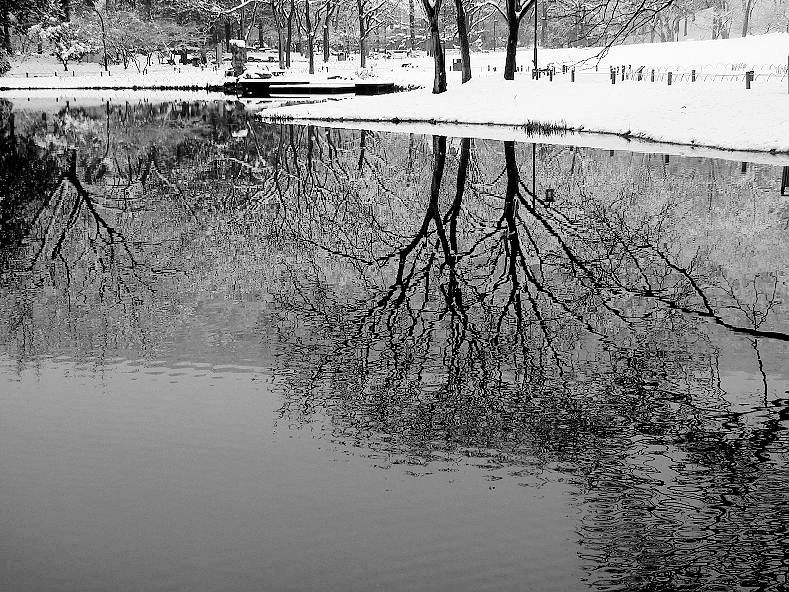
[
  {"x": 505, "y": 326},
  {"x": 105, "y": 208},
  {"x": 431, "y": 305}
]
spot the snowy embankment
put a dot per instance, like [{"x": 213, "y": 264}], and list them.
[
  {"x": 714, "y": 111},
  {"x": 42, "y": 72},
  {"x": 704, "y": 115}
]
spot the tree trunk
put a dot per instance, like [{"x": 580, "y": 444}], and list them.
[
  {"x": 411, "y": 25},
  {"x": 328, "y": 10},
  {"x": 512, "y": 47},
  {"x": 289, "y": 39},
  {"x": 310, "y": 48},
  {"x": 439, "y": 66},
  {"x": 278, "y": 22},
  {"x": 465, "y": 54},
  {"x": 746, "y": 17},
  {"x": 362, "y": 41}
]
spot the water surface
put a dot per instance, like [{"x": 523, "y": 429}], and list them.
[{"x": 236, "y": 355}]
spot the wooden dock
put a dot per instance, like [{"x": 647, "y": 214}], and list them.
[{"x": 266, "y": 88}]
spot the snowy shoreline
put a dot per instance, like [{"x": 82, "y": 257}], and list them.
[{"x": 683, "y": 114}]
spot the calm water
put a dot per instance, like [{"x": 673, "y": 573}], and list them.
[{"x": 239, "y": 356}]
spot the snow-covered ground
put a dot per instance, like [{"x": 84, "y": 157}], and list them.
[
  {"x": 714, "y": 111},
  {"x": 39, "y": 72},
  {"x": 721, "y": 61},
  {"x": 703, "y": 115}
]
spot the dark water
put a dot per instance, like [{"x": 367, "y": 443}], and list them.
[{"x": 238, "y": 356}]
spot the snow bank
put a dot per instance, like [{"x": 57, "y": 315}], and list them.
[{"x": 694, "y": 114}]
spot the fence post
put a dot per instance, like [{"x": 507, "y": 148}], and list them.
[
  {"x": 748, "y": 79},
  {"x": 653, "y": 75},
  {"x": 613, "y": 77},
  {"x": 550, "y": 74},
  {"x": 669, "y": 78},
  {"x": 572, "y": 75},
  {"x": 693, "y": 75}
]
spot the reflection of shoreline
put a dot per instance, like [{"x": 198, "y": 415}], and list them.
[
  {"x": 579, "y": 139},
  {"x": 53, "y": 100}
]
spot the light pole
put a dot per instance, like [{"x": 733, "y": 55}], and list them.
[{"x": 92, "y": 4}]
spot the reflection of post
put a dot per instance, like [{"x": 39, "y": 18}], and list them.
[
  {"x": 534, "y": 174},
  {"x": 785, "y": 180}
]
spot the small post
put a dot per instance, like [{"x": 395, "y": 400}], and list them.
[
  {"x": 56, "y": 73},
  {"x": 693, "y": 75},
  {"x": 748, "y": 79},
  {"x": 550, "y": 75},
  {"x": 665, "y": 159},
  {"x": 613, "y": 77},
  {"x": 27, "y": 75},
  {"x": 743, "y": 168},
  {"x": 572, "y": 75},
  {"x": 653, "y": 75},
  {"x": 72, "y": 73},
  {"x": 669, "y": 78}
]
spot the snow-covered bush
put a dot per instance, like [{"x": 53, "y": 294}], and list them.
[{"x": 67, "y": 41}]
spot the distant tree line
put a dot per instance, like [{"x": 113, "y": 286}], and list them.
[{"x": 137, "y": 31}]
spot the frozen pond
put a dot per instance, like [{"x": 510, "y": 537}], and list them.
[{"x": 244, "y": 356}]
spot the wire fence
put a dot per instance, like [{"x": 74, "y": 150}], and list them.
[{"x": 715, "y": 73}]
